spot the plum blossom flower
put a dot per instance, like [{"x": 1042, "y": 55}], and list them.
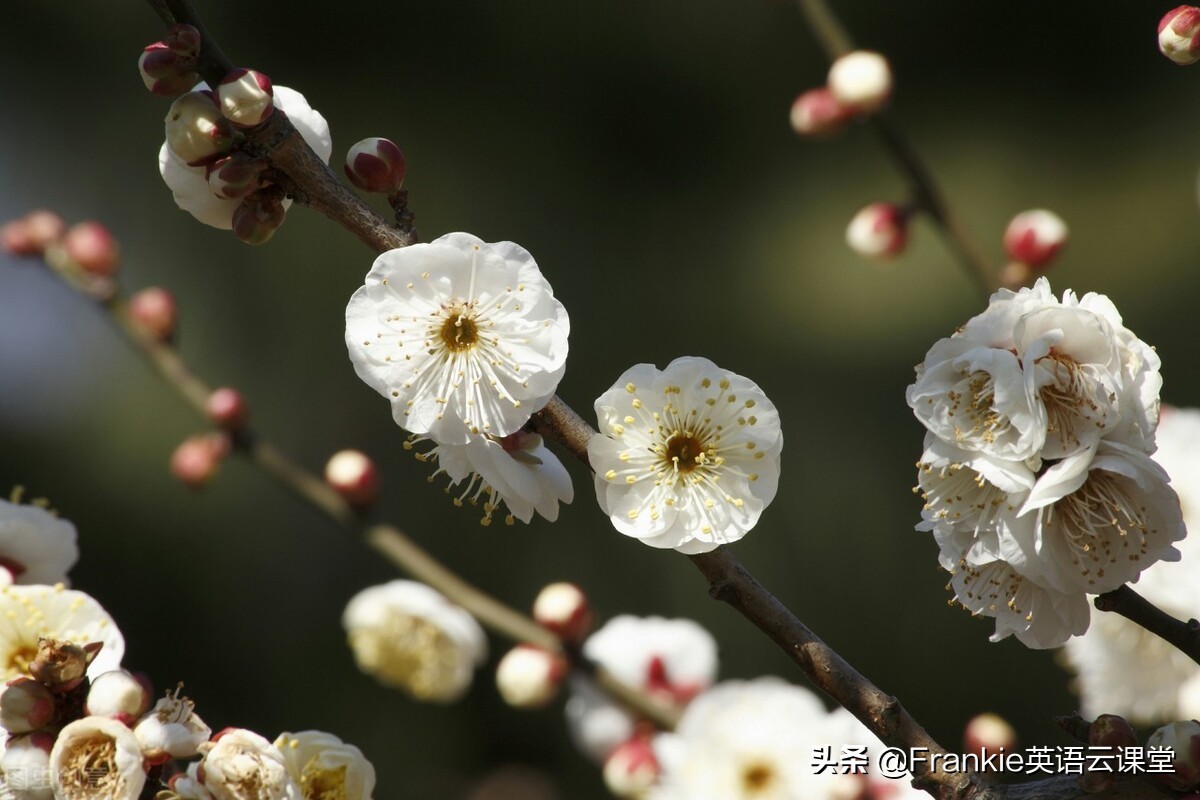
[
  {"x": 409, "y": 636},
  {"x": 35, "y": 545},
  {"x": 172, "y": 728},
  {"x": 96, "y": 757},
  {"x": 322, "y": 765},
  {"x": 516, "y": 471},
  {"x": 241, "y": 765},
  {"x": 686, "y": 457},
  {"x": 34, "y": 612},
  {"x": 189, "y": 184},
  {"x": 462, "y": 336}
]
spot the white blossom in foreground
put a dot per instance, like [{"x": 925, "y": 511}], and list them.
[
  {"x": 515, "y": 471},
  {"x": 1122, "y": 668},
  {"x": 408, "y": 636},
  {"x": 96, "y": 757},
  {"x": 462, "y": 336},
  {"x": 171, "y": 729},
  {"x": 672, "y": 659},
  {"x": 26, "y": 766},
  {"x": 35, "y": 545},
  {"x": 241, "y": 765},
  {"x": 28, "y": 613},
  {"x": 324, "y": 766},
  {"x": 190, "y": 187},
  {"x": 686, "y": 457}
]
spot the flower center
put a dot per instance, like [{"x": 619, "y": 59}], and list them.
[
  {"x": 686, "y": 452},
  {"x": 459, "y": 331},
  {"x": 323, "y": 784},
  {"x": 409, "y": 653},
  {"x": 1102, "y": 524},
  {"x": 985, "y": 421},
  {"x": 756, "y": 779},
  {"x": 90, "y": 770},
  {"x": 19, "y": 660}
]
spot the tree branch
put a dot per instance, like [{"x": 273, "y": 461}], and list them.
[{"x": 1135, "y": 608}]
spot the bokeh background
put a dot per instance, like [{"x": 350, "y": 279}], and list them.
[{"x": 642, "y": 152}]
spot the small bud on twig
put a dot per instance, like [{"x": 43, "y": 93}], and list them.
[
  {"x": 879, "y": 230},
  {"x": 196, "y": 130},
  {"x": 153, "y": 311},
  {"x": 227, "y": 407},
  {"x": 376, "y": 165},
  {"x": 1179, "y": 35},
  {"x": 529, "y": 677},
  {"x": 563, "y": 608},
  {"x": 61, "y": 665},
  {"x": 354, "y": 476},
  {"x": 862, "y": 80},
  {"x": 631, "y": 769},
  {"x": 196, "y": 461},
  {"x": 25, "y": 705},
  {"x": 1035, "y": 237},
  {"x": 257, "y": 218},
  {"x": 246, "y": 97},
  {"x": 818, "y": 113},
  {"x": 92, "y": 247},
  {"x": 236, "y": 175}
]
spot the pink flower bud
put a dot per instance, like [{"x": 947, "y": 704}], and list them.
[
  {"x": 196, "y": 131},
  {"x": 119, "y": 695},
  {"x": 165, "y": 72},
  {"x": 246, "y": 97},
  {"x": 1035, "y": 237},
  {"x": 354, "y": 476},
  {"x": 563, "y": 608},
  {"x": 25, "y": 705},
  {"x": 818, "y": 113},
  {"x": 879, "y": 230},
  {"x": 631, "y": 769},
  {"x": 227, "y": 408},
  {"x": 60, "y": 665},
  {"x": 988, "y": 733},
  {"x": 862, "y": 80},
  {"x": 1179, "y": 35},
  {"x": 92, "y": 247},
  {"x": 153, "y": 311},
  {"x": 44, "y": 228},
  {"x": 376, "y": 165},
  {"x": 529, "y": 677},
  {"x": 184, "y": 40},
  {"x": 196, "y": 460},
  {"x": 1184, "y": 739},
  {"x": 1110, "y": 730},
  {"x": 235, "y": 176},
  {"x": 257, "y": 218},
  {"x": 16, "y": 239}
]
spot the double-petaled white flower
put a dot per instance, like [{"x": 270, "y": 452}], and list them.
[
  {"x": 324, "y": 766},
  {"x": 464, "y": 337},
  {"x": 241, "y": 765},
  {"x": 1037, "y": 481},
  {"x": 686, "y": 457},
  {"x": 96, "y": 757}
]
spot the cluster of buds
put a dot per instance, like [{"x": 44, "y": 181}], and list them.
[
  {"x": 86, "y": 252},
  {"x": 168, "y": 67},
  {"x": 530, "y": 677},
  {"x": 858, "y": 84},
  {"x": 1179, "y": 35},
  {"x": 1032, "y": 241}
]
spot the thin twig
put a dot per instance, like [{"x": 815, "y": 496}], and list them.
[{"x": 1135, "y": 608}]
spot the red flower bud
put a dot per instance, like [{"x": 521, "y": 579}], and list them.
[
  {"x": 153, "y": 310},
  {"x": 879, "y": 230},
  {"x": 376, "y": 165},
  {"x": 354, "y": 476},
  {"x": 92, "y": 247},
  {"x": 818, "y": 113},
  {"x": 1179, "y": 35}
]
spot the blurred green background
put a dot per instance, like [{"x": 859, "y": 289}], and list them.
[{"x": 641, "y": 151}]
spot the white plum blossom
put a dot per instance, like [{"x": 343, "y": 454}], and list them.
[
  {"x": 241, "y": 765},
  {"x": 1121, "y": 667},
  {"x": 172, "y": 728},
  {"x": 324, "y": 766},
  {"x": 96, "y": 757},
  {"x": 190, "y": 187},
  {"x": 516, "y": 471},
  {"x": 29, "y": 613},
  {"x": 462, "y": 336},
  {"x": 687, "y": 457},
  {"x": 25, "y": 764},
  {"x": 35, "y": 545},
  {"x": 672, "y": 660},
  {"x": 409, "y": 636},
  {"x": 188, "y": 786}
]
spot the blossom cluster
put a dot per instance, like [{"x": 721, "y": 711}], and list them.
[
  {"x": 467, "y": 341},
  {"x": 1038, "y": 484}
]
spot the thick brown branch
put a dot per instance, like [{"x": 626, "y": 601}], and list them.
[{"x": 1131, "y": 605}]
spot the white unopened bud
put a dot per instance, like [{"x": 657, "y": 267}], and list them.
[
  {"x": 196, "y": 131},
  {"x": 988, "y": 733},
  {"x": 171, "y": 729},
  {"x": 1035, "y": 237},
  {"x": 1184, "y": 739},
  {"x": 563, "y": 608},
  {"x": 818, "y": 113},
  {"x": 879, "y": 230},
  {"x": 119, "y": 695},
  {"x": 25, "y": 705},
  {"x": 246, "y": 97},
  {"x": 96, "y": 757},
  {"x": 26, "y": 766},
  {"x": 354, "y": 476},
  {"x": 529, "y": 677},
  {"x": 631, "y": 769},
  {"x": 376, "y": 165},
  {"x": 861, "y": 79},
  {"x": 1179, "y": 35}
]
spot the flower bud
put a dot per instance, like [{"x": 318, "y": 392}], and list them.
[
  {"x": 1035, "y": 237},
  {"x": 246, "y": 97},
  {"x": 862, "y": 80},
  {"x": 196, "y": 131},
  {"x": 988, "y": 733},
  {"x": 96, "y": 757},
  {"x": 563, "y": 608},
  {"x": 529, "y": 677},
  {"x": 15, "y": 238},
  {"x": 117, "y": 694},
  {"x": 184, "y": 40},
  {"x": 60, "y": 665},
  {"x": 354, "y": 476},
  {"x": 376, "y": 165},
  {"x": 165, "y": 72},
  {"x": 818, "y": 113},
  {"x": 153, "y": 311},
  {"x": 227, "y": 408},
  {"x": 631, "y": 769},
  {"x": 1110, "y": 730},
  {"x": 236, "y": 175},
  {"x": 879, "y": 230},
  {"x": 257, "y": 218},
  {"x": 92, "y": 247},
  {"x": 1184, "y": 739},
  {"x": 1179, "y": 35},
  {"x": 25, "y": 705},
  {"x": 26, "y": 766},
  {"x": 196, "y": 460},
  {"x": 43, "y": 228}
]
